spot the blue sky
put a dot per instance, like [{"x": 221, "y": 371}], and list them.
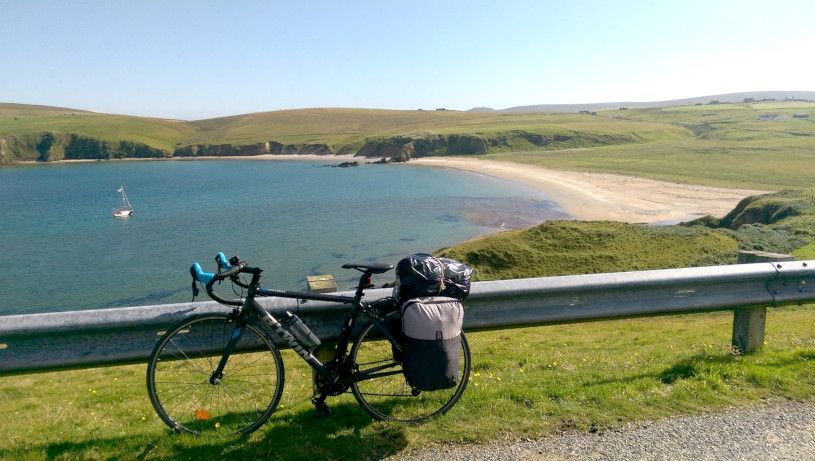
[{"x": 201, "y": 59}]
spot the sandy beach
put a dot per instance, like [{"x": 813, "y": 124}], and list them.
[
  {"x": 600, "y": 196},
  {"x": 587, "y": 196}
]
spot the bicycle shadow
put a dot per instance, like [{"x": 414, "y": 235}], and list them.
[{"x": 348, "y": 434}]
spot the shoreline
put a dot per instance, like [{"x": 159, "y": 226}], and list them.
[
  {"x": 606, "y": 196},
  {"x": 312, "y": 157},
  {"x": 586, "y": 196}
]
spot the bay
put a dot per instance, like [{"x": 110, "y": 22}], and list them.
[{"x": 62, "y": 249}]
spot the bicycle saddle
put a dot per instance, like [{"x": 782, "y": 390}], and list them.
[{"x": 376, "y": 268}]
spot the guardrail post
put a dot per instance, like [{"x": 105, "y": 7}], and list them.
[
  {"x": 749, "y": 323},
  {"x": 325, "y": 353}
]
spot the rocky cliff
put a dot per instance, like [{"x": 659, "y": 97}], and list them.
[
  {"x": 271, "y": 147},
  {"x": 47, "y": 147}
]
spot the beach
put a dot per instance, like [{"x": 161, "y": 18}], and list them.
[
  {"x": 587, "y": 196},
  {"x": 607, "y": 197}
]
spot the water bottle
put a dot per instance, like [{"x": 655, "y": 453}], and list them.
[{"x": 301, "y": 332}]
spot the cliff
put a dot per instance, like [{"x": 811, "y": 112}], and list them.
[{"x": 48, "y": 146}]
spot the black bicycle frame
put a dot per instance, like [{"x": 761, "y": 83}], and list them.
[{"x": 356, "y": 302}]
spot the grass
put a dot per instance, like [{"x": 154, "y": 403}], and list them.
[
  {"x": 162, "y": 134},
  {"x": 728, "y": 146},
  {"x": 526, "y": 383},
  {"x": 572, "y": 247}
]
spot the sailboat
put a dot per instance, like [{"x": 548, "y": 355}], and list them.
[{"x": 126, "y": 209}]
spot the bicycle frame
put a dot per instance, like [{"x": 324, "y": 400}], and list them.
[{"x": 341, "y": 351}]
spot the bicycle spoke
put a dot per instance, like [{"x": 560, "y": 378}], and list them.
[
  {"x": 183, "y": 362},
  {"x": 389, "y": 396}
]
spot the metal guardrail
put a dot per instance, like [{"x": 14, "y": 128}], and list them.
[{"x": 78, "y": 339}]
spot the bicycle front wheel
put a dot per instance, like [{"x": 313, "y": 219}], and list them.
[
  {"x": 385, "y": 393},
  {"x": 180, "y": 370}
]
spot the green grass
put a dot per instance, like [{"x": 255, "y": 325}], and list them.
[
  {"x": 525, "y": 383},
  {"x": 727, "y": 146},
  {"x": 163, "y": 134},
  {"x": 573, "y": 247}
]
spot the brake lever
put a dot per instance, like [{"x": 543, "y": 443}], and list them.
[{"x": 194, "y": 285}]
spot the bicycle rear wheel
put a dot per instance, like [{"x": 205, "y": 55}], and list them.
[
  {"x": 389, "y": 396},
  {"x": 182, "y": 363}
]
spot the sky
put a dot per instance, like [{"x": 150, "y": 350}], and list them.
[{"x": 198, "y": 59}]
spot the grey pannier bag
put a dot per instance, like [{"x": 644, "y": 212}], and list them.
[{"x": 432, "y": 339}]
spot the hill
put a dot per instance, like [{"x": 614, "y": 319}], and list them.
[
  {"x": 764, "y": 144},
  {"x": 726, "y": 98},
  {"x": 781, "y": 223}
]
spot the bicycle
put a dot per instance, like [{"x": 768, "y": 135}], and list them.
[{"x": 222, "y": 373}]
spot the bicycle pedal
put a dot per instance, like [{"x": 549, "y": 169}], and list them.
[
  {"x": 321, "y": 408},
  {"x": 322, "y": 411}
]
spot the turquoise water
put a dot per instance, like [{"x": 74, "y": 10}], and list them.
[{"x": 63, "y": 250}]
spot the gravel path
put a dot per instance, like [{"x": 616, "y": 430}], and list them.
[{"x": 782, "y": 431}]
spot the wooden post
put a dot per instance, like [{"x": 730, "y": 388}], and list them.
[
  {"x": 749, "y": 322},
  {"x": 324, "y": 353}
]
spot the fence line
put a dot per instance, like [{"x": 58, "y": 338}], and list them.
[{"x": 79, "y": 339}]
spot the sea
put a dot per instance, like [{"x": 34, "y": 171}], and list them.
[{"x": 63, "y": 250}]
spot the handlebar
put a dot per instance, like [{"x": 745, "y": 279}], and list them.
[{"x": 234, "y": 266}]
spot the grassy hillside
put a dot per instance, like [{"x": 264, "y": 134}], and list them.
[
  {"x": 728, "y": 146},
  {"x": 751, "y": 145},
  {"x": 339, "y": 127},
  {"x": 16, "y": 120},
  {"x": 783, "y": 222},
  {"x": 573, "y": 247}
]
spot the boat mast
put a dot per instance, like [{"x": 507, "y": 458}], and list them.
[{"x": 125, "y": 202}]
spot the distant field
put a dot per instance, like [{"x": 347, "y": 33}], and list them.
[
  {"x": 338, "y": 127},
  {"x": 728, "y": 146}
]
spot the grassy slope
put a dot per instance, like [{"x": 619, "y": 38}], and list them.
[
  {"x": 570, "y": 247},
  {"x": 782, "y": 222},
  {"x": 341, "y": 127},
  {"x": 163, "y": 134},
  {"x": 722, "y": 145},
  {"x": 729, "y": 147}
]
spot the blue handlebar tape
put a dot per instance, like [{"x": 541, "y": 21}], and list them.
[{"x": 222, "y": 261}]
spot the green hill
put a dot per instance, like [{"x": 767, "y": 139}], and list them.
[
  {"x": 765, "y": 144},
  {"x": 782, "y": 222}
]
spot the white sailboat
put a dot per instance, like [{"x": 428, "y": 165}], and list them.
[{"x": 126, "y": 209}]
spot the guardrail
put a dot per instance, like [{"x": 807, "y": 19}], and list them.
[{"x": 79, "y": 339}]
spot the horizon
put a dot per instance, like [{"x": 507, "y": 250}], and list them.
[
  {"x": 190, "y": 61},
  {"x": 703, "y": 99}
]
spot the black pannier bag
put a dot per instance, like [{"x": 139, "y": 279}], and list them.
[
  {"x": 432, "y": 342},
  {"x": 422, "y": 274}
]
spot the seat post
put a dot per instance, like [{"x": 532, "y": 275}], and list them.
[{"x": 324, "y": 353}]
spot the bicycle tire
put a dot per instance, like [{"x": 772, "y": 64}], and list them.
[
  {"x": 178, "y": 377},
  {"x": 391, "y": 397}
]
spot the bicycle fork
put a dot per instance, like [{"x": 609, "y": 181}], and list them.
[{"x": 218, "y": 373}]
